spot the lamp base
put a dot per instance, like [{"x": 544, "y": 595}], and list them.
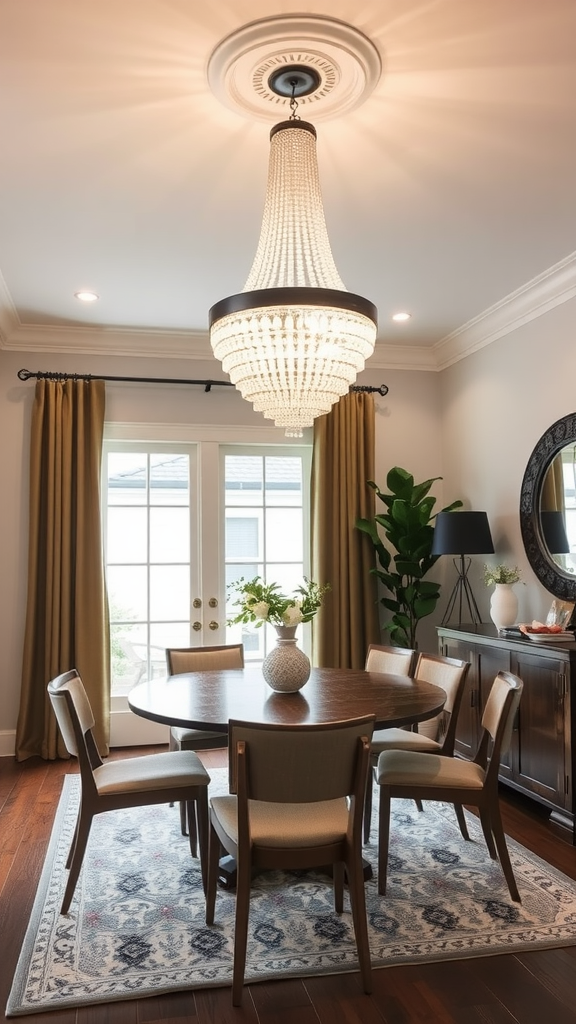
[{"x": 461, "y": 595}]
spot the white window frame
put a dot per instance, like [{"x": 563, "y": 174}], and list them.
[{"x": 126, "y": 728}]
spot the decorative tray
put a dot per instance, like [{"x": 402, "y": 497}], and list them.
[{"x": 541, "y": 637}]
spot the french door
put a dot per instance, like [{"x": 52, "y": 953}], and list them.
[{"x": 181, "y": 521}]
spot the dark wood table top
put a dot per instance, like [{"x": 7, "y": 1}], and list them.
[{"x": 202, "y": 700}]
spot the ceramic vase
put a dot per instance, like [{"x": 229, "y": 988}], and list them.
[
  {"x": 503, "y": 605},
  {"x": 286, "y": 669}
]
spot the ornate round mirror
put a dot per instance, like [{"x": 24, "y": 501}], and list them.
[{"x": 548, "y": 509}]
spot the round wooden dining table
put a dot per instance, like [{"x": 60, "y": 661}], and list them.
[{"x": 209, "y": 699}]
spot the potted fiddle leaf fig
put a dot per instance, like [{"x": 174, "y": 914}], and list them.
[{"x": 408, "y": 527}]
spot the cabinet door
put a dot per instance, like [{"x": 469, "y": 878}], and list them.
[
  {"x": 467, "y": 729},
  {"x": 539, "y": 758}
]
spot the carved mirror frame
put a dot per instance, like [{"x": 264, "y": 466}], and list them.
[{"x": 561, "y": 584}]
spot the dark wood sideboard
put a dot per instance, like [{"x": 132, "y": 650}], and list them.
[{"x": 540, "y": 762}]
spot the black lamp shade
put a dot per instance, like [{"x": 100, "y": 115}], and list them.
[
  {"x": 462, "y": 533},
  {"x": 554, "y": 532}
]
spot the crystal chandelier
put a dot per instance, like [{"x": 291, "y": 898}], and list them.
[{"x": 294, "y": 340}]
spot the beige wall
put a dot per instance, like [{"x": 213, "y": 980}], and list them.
[{"x": 495, "y": 405}]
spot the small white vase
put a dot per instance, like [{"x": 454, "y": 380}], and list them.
[
  {"x": 503, "y": 605},
  {"x": 286, "y": 669}
]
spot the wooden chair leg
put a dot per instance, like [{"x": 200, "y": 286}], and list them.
[
  {"x": 486, "y": 822},
  {"x": 244, "y": 877},
  {"x": 358, "y": 907},
  {"x": 419, "y": 804},
  {"x": 184, "y": 820},
  {"x": 462, "y": 821},
  {"x": 500, "y": 840},
  {"x": 83, "y": 826},
  {"x": 383, "y": 838},
  {"x": 338, "y": 885},
  {"x": 74, "y": 840},
  {"x": 201, "y": 808},
  {"x": 188, "y": 827},
  {"x": 368, "y": 805},
  {"x": 212, "y": 880}
]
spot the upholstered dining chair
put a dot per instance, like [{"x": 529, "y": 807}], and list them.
[
  {"x": 199, "y": 659},
  {"x": 296, "y": 800},
  {"x": 398, "y": 660},
  {"x": 131, "y": 782},
  {"x": 416, "y": 775},
  {"x": 434, "y": 736}
]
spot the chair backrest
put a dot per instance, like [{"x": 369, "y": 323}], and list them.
[
  {"x": 398, "y": 660},
  {"x": 70, "y": 701},
  {"x": 300, "y": 763},
  {"x": 450, "y": 674},
  {"x": 75, "y": 719},
  {"x": 201, "y": 659},
  {"x": 498, "y": 721}
]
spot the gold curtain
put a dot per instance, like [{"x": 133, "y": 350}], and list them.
[
  {"x": 342, "y": 463},
  {"x": 66, "y": 616}
]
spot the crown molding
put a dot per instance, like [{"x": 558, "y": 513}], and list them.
[
  {"x": 8, "y": 315},
  {"x": 551, "y": 288},
  {"x": 169, "y": 344},
  {"x": 109, "y": 341},
  {"x": 398, "y": 357}
]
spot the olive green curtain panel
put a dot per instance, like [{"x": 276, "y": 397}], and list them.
[
  {"x": 342, "y": 463},
  {"x": 66, "y": 615}
]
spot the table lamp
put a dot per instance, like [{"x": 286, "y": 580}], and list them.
[{"x": 463, "y": 534}]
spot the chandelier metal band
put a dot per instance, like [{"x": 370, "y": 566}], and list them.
[{"x": 264, "y": 297}]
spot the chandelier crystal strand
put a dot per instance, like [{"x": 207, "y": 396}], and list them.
[
  {"x": 294, "y": 340},
  {"x": 293, "y": 250}
]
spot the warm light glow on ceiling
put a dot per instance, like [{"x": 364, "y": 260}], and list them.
[
  {"x": 85, "y": 296},
  {"x": 401, "y": 317}
]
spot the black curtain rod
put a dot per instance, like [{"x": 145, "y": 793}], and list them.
[
  {"x": 49, "y": 375},
  {"x": 207, "y": 384}
]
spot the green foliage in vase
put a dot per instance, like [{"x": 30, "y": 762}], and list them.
[
  {"x": 501, "y": 574},
  {"x": 408, "y": 526}
]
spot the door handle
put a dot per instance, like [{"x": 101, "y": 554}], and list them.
[{"x": 213, "y": 625}]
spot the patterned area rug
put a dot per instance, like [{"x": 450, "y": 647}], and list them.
[{"x": 136, "y": 925}]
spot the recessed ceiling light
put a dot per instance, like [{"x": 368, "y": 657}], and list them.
[
  {"x": 86, "y": 296},
  {"x": 401, "y": 316}
]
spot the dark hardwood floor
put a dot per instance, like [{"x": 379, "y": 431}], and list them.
[{"x": 530, "y": 988}]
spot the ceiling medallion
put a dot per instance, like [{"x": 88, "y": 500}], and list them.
[{"x": 344, "y": 62}]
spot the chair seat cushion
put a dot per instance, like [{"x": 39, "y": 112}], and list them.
[
  {"x": 401, "y": 739},
  {"x": 407, "y": 768},
  {"x": 190, "y": 736},
  {"x": 286, "y": 825},
  {"x": 170, "y": 770}
]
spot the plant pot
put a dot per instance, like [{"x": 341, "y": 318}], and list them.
[{"x": 286, "y": 669}]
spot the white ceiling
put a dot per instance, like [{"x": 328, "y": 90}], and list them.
[{"x": 450, "y": 188}]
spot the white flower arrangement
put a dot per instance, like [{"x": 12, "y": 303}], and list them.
[
  {"x": 501, "y": 574},
  {"x": 262, "y": 602}
]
